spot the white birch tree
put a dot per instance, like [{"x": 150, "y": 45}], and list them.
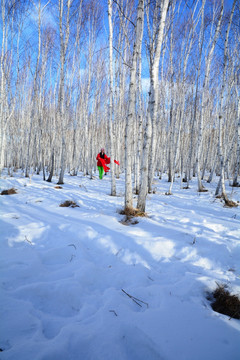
[
  {"x": 237, "y": 166},
  {"x": 155, "y": 53},
  {"x": 221, "y": 185},
  {"x": 132, "y": 106},
  {"x": 111, "y": 132},
  {"x": 3, "y": 95},
  {"x": 150, "y": 132},
  {"x": 64, "y": 38}
]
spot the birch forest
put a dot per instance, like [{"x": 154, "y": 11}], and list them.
[{"x": 156, "y": 83}]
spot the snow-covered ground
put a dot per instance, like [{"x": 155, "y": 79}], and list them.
[{"x": 66, "y": 273}]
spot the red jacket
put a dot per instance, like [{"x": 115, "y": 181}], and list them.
[{"x": 103, "y": 162}]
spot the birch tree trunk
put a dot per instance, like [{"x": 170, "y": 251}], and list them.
[
  {"x": 52, "y": 137},
  {"x": 132, "y": 106},
  {"x": 3, "y": 120},
  {"x": 63, "y": 50},
  {"x": 119, "y": 115},
  {"x": 208, "y": 61},
  {"x": 139, "y": 124},
  {"x": 200, "y": 127},
  {"x": 146, "y": 171},
  {"x": 186, "y": 54},
  {"x": 34, "y": 112},
  {"x": 153, "y": 97},
  {"x": 111, "y": 133},
  {"x": 172, "y": 124},
  {"x": 221, "y": 184},
  {"x": 237, "y": 166}
]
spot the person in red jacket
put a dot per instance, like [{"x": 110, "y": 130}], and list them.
[{"x": 103, "y": 160}]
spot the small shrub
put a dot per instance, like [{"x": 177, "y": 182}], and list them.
[
  {"x": 9, "y": 192},
  {"x": 69, "y": 203},
  {"x": 225, "y": 303}
]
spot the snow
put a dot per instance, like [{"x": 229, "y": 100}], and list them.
[{"x": 66, "y": 272}]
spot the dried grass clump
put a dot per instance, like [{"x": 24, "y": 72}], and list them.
[
  {"x": 225, "y": 303},
  {"x": 69, "y": 203},
  {"x": 230, "y": 203},
  {"x": 203, "y": 190},
  {"x": 9, "y": 192},
  {"x": 130, "y": 214}
]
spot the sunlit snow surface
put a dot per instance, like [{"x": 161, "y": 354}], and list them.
[{"x": 63, "y": 271}]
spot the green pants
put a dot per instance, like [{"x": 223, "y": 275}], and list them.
[{"x": 100, "y": 169}]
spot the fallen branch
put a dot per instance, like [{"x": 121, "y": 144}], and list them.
[
  {"x": 113, "y": 311},
  {"x": 73, "y": 246},
  {"x": 72, "y": 257},
  {"x": 83, "y": 186},
  {"x": 136, "y": 300},
  {"x": 29, "y": 241},
  {"x": 118, "y": 252}
]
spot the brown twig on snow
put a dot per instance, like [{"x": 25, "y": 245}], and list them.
[
  {"x": 29, "y": 241},
  {"x": 136, "y": 300},
  {"x": 113, "y": 311},
  {"x": 73, "y": 246}
]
